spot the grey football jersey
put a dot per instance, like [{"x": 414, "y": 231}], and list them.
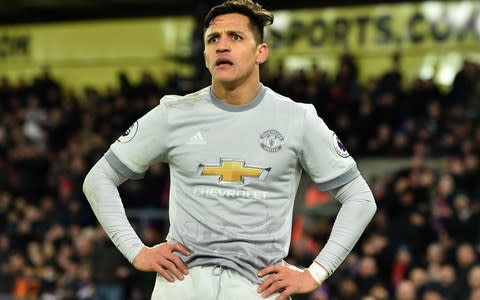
[{"x": 234, "y": 172}]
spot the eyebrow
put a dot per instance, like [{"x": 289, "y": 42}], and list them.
[{"x": 229, "y": 32}]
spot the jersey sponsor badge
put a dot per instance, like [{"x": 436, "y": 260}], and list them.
[
  {"x": 271, "y": 140},
  {"x": 129, "y": 134},
  {"x": 339, "y": 147},
  {"x": 233, "y": 171}
]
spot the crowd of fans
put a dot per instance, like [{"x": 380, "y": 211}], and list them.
[{"x": 423, "y": 243}]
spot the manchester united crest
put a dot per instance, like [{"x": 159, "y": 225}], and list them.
[{"x": 271, "y": 140}]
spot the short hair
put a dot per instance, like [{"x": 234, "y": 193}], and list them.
[{"x": 258, "y": 16}]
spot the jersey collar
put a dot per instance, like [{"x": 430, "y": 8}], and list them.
[{"x": 237, "y": 108}]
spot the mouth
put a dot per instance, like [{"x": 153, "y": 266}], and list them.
[{"x": 222, "y": 62}]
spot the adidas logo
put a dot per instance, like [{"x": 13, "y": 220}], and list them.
[{"x": 196, "y": 139}]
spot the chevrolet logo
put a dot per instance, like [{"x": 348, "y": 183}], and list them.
[{"x": 232, "y": 171}]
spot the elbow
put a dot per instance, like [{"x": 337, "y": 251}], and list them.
[
  {"x": 373, "y": 207},
  {"x": 87, "y": 185}
]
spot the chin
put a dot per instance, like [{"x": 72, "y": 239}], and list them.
[{"x": 225, "y": 79}]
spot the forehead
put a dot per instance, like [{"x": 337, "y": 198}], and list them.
[{"x": 233, "y": 21}]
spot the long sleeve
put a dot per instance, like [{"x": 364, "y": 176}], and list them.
[
  {"x": 358, "y": 208},
  {"x": 101, "y": 190}
]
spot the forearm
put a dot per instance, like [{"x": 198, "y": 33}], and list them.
[
  {"x": 101, "y": 190},
  {"x": 358, "y": 208}
]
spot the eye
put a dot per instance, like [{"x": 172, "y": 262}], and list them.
[
  {"x": 236, "y": 37},
  {"x": 212, "y": 40}
]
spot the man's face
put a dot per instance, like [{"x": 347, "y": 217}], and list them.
[{"x": 231, "y": 53}]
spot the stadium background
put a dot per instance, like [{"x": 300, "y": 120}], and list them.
[{"x": 398, "y": 82}]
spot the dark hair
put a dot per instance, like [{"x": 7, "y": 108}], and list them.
[{"x": 258, "y": 16}]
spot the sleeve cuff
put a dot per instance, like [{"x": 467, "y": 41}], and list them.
[{"x": 318, "y": 272}]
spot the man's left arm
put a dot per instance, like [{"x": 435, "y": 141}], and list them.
[{"x": 357, "y": 210}]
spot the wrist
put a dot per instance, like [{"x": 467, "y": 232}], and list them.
[{"x": 318, "y": 272}]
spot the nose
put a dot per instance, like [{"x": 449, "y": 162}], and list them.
[{"x": 223, "y": 45}]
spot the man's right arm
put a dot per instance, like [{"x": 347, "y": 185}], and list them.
[{"x": 101, "y": 190}]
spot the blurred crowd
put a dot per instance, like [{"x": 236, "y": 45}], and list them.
[{"x": 423, "y": 243}]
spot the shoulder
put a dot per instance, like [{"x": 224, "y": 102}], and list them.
[
  {"x": 288, "y": 103},
  {"x": 177, "y": 101}
]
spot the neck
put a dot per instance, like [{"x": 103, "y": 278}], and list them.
[{"x": 236, "y": 95}]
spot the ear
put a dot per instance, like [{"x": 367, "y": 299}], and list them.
[{"x": 262, "y": 53}]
